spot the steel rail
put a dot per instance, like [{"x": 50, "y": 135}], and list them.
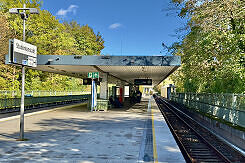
[
  {"x": 199, "y": 135},
  {"x": 203, "y": 140},
  {"x": 186, "y": 155},
  {"x": 227, "y": 148}
]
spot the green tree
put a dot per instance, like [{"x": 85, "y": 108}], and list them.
[
  {"x": 88, "y": 43},
  {"x": 213, "y": 51},
  {"x": 51, "y": 38},
  {"x": 8, "y": 77}
]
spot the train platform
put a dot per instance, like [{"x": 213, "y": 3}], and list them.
[
  {"x": 165, "y": 147},
  {"x": 73, "y": 134}
]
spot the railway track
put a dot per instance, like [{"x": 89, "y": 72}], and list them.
[{"x": 197, "y": 144}]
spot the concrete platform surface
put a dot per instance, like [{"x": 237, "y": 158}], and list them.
[
  {"x": 74, "y": 135},
  {"x": 165, "y": 146}
]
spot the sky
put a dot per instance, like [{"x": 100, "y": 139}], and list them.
[{"x": 129, "y": 27}]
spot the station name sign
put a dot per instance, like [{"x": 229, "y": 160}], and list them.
[
  {"x": 22, "y": 53},
  {"x": 25, "y": 48}
]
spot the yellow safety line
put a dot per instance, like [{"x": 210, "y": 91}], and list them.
[
  {"x": 39, "y": 112},
  {"x": 154, "y": 139}
]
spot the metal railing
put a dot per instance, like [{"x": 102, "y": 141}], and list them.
[
  {"x": 35, "y": 101},
  {"x": 229, "y": 107},
  {"x": 12, "y": 94}
]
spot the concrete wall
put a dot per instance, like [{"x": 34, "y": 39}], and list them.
[{"x": 232, "y": 135}]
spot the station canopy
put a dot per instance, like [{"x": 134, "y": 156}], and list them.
[{"x": 119, "y": 68}]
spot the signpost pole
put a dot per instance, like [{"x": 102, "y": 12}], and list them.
[
  {"x": 92, "y": 95},
  {"x": 22, "y": 104},
  {"x": 30, "y": 61},
  {"x": 93, "y": 76},
  {"x": 24, "y": 23}
]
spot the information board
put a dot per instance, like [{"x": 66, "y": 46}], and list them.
[{"x": 143, "y": 81}]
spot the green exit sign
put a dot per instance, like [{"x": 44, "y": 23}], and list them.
[{"x": 93, "y": 75}]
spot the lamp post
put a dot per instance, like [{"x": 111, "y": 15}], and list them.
[{"x": 24, "y": 17}]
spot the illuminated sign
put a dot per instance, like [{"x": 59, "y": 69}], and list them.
[{"x": 93, "y": 75}]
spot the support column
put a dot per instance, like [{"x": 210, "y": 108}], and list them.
[{"x": 104, "y": 86}]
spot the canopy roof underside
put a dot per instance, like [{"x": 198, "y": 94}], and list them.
[{"x": 124, "y": 68}]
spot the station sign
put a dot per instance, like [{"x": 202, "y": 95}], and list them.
[
  {"x": 93, "y": 75},
  {"x": 142, "y": 81},
  {"x": 22, "y": 53}
]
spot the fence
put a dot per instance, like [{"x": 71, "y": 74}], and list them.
[
  {"x": 229, "y": 107},
  {"x": 12, "y": 94},
  {"x": 34, "y": 101}
]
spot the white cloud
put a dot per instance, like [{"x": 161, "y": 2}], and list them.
[
  {"x": 70, "y": 9},
  {"x": 115, "y": 26}
]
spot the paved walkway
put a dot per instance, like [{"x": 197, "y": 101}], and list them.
[
  {"x": 74, "y": 135},
  {"x": 166, "y": 148}
]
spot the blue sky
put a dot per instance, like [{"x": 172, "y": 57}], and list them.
[{"x": 129, "y": 27}]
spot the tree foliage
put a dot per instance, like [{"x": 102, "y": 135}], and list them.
[
  {"x": 51, "y": 38},
  {"x": 213, "y": 52},
  {"x": 86, "y": 41},
  {"x": 8, "y": 74}
]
